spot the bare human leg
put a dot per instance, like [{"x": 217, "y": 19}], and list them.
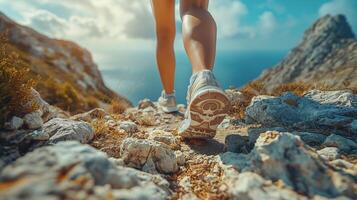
[
  {"x": 207, "y": 102},
  {"x": 164, "y": 14},
  {"x": 199, "y": 34}
]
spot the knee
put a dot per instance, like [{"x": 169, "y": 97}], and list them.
[{"x": 165, "y": 34}]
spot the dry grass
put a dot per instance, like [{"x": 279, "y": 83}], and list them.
[
  {"x": 205, "y": 184},
  {"x": 117, "y": 106},
  {"x": 107, "y": 138},
  {"x": 15, "y": 84},
  {"x": 249, "y": 91}
]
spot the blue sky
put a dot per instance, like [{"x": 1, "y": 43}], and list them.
[{"x": 108, "y": 26}]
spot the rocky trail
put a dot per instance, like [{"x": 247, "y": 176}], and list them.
[{"x": 287, "y": 147}]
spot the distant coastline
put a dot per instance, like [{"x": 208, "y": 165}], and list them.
[{"x": 138, "y": 78}]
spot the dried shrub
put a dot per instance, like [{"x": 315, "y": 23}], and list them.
[
  {"x": 107, "y": 138},
  {"x": 117, "y": 106},
  {"x": 63, "y": 95},
  {"x": 249, "y": 91},
  {"x": 15, "y": 84},
  {"x": 298, "y": 88}
]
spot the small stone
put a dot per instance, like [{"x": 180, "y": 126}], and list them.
[
  {"x": 33, "y": 120},
  {"x": 162, "y": 136},
  {"x": 341, "y": 164},
  {"x": 340, "y": 142},
  {"x": 180, "y": 157},
  {"x": 14, "y": 124},
  {"x": 111, "y": 123},
  {"x": 137, "y": 152},
  {"x": 235, "y": 96},
  {"x": 181, "y": 107},
  {"x": 145, "y": 103},
  {"x": 185, "y": 183},
  {"x": 117, "y": 161},
  {"x": 39, "y": 135},
  {"x": 329, "y": 153},
  {"x": 128, "y": 126},
  {"x": 90, "y": 115}
]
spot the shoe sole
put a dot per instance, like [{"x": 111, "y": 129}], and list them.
[
  {"x": 207, "y": 110},
  {"x": 169, "y": 110}
]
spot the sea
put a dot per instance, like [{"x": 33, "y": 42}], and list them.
[{"x": 134, "y": 74}]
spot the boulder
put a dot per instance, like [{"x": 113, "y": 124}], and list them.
[
  {"x": 248, "y": 185},
  {"x": 307, "y": 112},
  {"x": 71, "y": 170},
  {"x": 284, "y": 156},
  {"x": 340, "y": 142},
  {"x": 148, "y": 155},
  {"x": 65, "y": 129},
  {"x": 33, "y": 120}
]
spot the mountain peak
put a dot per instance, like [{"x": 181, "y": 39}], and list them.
[
  {"x": 329, "y": 45},
  {"x": 333, "y": 27}
]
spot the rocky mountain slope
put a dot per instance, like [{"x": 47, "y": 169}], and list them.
[
  {"x": 63, "y": 66},
  {"x": 288, "y": 147},
  {"x": 326, "y": 55}
]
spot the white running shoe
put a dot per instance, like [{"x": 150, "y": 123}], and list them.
[
  {"x": 207, "y": 106},
  {"x": 167, "y": 102}
]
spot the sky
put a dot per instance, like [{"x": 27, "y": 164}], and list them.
[{"x": 108, "y": 26}]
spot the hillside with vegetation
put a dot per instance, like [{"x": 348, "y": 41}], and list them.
[{"x": 65, "y": 73}]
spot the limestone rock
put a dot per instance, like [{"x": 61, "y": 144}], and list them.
[
  {"x": 33, "y": 120},
  {"x": 128, "y": 126},
  {"x": 339, "y": 97},
  {"x": 145, "y": 103},
  {"x": 162, "y": 136},
  {"x": 303, "y": 113},
  {"x": 329, "y": 153},
  {"x": 235, "y": 96},
  {"x": 96, "y": 113},
  {"x": 39, "y": 135},
  {"x": 138, "y": 152},
  {"x": 180, "y": 157},
  {"x": 283, "y": 156},
  {"x": 340, "y": 142},
  {"x": 65, "y": 129},
  {"x": 248, "y": 185},
  {"x": 72, "y": 170}
]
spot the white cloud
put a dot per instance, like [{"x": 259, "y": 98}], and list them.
[
  {"x": 227, "y": 14},
  {"x": 267, "y": 22},
  {"x": 346, "y": 7},
  {"x": 112, "y": 19}
]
